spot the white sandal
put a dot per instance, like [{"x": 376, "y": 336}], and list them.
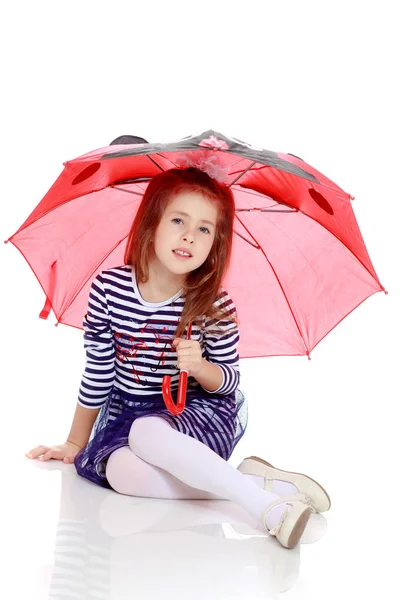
[
  {"x": 293, "y": 522},
  {"x": 310, "y": 491}
]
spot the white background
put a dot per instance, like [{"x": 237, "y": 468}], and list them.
[{"x": 316, "y": 79}]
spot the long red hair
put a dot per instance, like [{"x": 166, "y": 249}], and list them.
[{"x": 203, "y": 285}]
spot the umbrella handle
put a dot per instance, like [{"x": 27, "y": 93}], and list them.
[{"x": 178, "y": 408}]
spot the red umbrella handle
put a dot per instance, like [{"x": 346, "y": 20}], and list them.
[{"x": 178, "y": 408}]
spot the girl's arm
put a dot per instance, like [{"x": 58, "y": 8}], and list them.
[
  {"x": 82, "y": 424},
  {"x": 222, "y": 364},
  {"x": 99, "y": 374},
  {"x": 78, "y": 437},
  {"x": 210, "y": 376}
]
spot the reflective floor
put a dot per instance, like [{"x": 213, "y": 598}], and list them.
[
  {"x": 81, "y": 541},
  {"x": 69, "y": 539}
]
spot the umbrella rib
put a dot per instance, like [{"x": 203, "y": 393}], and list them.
[
  {"x": 126, "y": 191},
  {"x": 246, "y": 240},
  {"x": 241, "y": 174},
  {"x": 279, "y": 283},
  {"x": 167, "y": 158},
  {"x": 154, "y": 162},
  {"x": 269, "y": 209},
  {"x": 251, "y": 192},
  {"x": 260, "y": 210}
]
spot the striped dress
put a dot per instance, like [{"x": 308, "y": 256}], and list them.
[{"x": 129, "y": 349}]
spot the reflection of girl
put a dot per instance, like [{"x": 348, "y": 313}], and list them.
[
  {"x": 177, "y": 255},
  {"x": 106, "y": 545}
]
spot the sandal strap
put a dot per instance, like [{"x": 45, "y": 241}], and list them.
[{"x": 284, "y": 500}]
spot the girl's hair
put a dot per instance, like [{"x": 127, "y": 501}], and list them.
[{"x": 203, "y": 285}]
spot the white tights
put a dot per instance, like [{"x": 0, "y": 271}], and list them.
[{"x": 161, "y": 462}]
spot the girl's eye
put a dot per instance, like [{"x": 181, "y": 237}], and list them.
[{"x": 206, "y": 230}]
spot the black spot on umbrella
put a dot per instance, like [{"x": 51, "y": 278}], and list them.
[
  {"x": 128, "y": 139},
  {"x": 321, "y": 201},
  {"x": 86, "y": 173}
]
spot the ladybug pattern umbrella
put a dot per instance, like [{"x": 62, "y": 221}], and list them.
[{"x": 299, "y": 262}]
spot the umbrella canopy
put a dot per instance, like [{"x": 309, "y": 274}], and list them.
[{"x": 299, "y": 262}]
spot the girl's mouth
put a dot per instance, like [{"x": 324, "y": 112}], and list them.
[{"x": 181, "y": 254}]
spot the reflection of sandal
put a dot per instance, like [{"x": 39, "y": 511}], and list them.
[
  {"x": 293, "y": 522},
  {"x": 278, "y": 569},
  {"x": 310, "y": 491}
]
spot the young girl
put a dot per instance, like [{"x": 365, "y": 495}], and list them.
[{"x": 177, "y": 254}]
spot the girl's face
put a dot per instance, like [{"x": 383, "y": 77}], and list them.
[{"x": 188, "y": 224}]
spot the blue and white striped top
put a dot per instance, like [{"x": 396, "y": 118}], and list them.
[{"x": 128, "y": 340}]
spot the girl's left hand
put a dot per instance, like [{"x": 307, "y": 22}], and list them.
[{"x": 189, "y": 356}]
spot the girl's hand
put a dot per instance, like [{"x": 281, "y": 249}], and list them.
[
  {"x": 65, "y": 452},
  {"x": 189, "y": 356}
]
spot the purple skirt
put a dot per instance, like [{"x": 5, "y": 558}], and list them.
[{"x": 218, "y": 421}]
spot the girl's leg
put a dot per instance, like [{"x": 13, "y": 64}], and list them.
[
  {"x": 120, "y": 516},
  {"x": 155, "y": 441},
  {"x": 128, "y": 474}
]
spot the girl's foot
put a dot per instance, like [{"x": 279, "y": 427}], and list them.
[
  {"x": 286, "y": 519},
  {"x": 308, "y": 490}
]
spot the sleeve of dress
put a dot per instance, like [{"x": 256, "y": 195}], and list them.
[
  {"x": 222, "y": 349},
  {"x": 99, "y": 374}
]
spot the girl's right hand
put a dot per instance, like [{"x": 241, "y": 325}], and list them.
[{"x": 65, "y": 452}]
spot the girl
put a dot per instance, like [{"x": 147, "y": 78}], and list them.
[{"x": 177, "y": 254}]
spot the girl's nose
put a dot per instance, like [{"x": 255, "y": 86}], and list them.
[{"x": 188, "y": 237}]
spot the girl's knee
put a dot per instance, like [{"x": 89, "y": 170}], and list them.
[
  {"x": 145, "y": 431},
  {"x": 115, "y": 469}
]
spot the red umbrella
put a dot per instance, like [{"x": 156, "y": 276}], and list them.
[{"x": 299, "y": 263}]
